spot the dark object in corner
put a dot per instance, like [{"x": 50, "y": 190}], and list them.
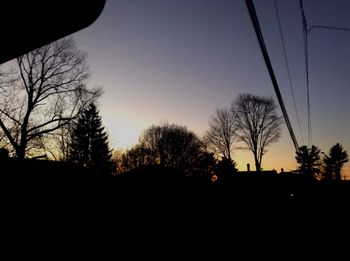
[{"x": 29, "y": 25}]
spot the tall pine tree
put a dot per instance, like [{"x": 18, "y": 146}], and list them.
[
  {"x": 334, "y": 162},
  {"x": 309, "y": 160},
  {"x": 89, "y": 142}
]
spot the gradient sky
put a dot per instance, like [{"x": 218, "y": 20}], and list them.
[{"x": 178, "y": 60}]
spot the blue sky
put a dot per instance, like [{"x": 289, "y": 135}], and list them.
[{"x": 178, "y": 60}]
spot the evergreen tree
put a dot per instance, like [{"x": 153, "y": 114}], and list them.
[
  {"x": 89, "y": 142},
  {"x": 335, "y": 161},
  {"x": 308, "y": 160},
  {"x": 226, "y": 167}
]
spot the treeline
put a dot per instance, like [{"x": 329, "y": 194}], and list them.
[
  {"x": 48, "y": 112},
  {"x": 174, "y": 146},
  {"x": 328, "y": 167}
]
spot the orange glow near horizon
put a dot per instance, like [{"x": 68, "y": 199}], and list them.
[
  {"x": 124, "y": 134},
  {"x": 178, "y": 61}
]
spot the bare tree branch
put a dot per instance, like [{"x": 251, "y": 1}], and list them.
[
  {"x": 222, "y": 132},
  {"x": 257, "y": 124},
  {"x": 51, "y": 91}
]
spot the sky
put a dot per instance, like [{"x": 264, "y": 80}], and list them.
[{"x": 179, "y": 60}]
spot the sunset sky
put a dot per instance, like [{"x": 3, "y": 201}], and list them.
[{"x": 178, "y": 60}]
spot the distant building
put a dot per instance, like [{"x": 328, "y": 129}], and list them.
[{"x": 264, "y": 172}]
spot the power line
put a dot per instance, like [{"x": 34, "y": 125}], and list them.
[
  {"x": 289, "y": 77},
  {"x": 306, "y": 30},
  {"x": 306, "y": 52},
  {"x": 263, "y": 48},
  {"x": 328, "y": 27}
]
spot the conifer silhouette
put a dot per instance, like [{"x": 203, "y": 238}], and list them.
[
  {"x": 308, "y": 160},
  {"x": 334, "y": 161},
  {"x": 89, "y": 142}
]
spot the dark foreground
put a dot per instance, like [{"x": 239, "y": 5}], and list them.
[{"x": 52, "y": 200}]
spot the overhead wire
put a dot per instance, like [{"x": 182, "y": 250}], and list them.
[
  {"x": 328, "y": 27},
  {"x": 257, "y": 29},
  {"x": 288, "y": 70},
  {"x": 306, "y": 30},
  {"x": 306, "y": 53}
]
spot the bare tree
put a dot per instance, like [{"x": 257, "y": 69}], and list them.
[
  {"x": 6, "y": 81},
  {"x": 49, "y": 91},
  {"x": 258, "y": 124},
  {"x": 222, "y": 133},
  {"x": 63, "y": 141}
]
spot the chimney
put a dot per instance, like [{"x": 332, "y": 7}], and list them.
[
  {"x": 248, "y": 167},
  {"x": 282, "y": 170}
]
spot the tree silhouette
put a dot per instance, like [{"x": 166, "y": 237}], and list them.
[
  {"x": 222, "y": 132},
  {"x": 89, "y": 142},
  {"x": 207, "y": 164},
  {"x": 226, "y": 167},
  {"x": 63, "y": 140},
  {"x": 136, "y": 157},
  {"x": 308, "y": 160},
  {"x": 258, "y": 124},
  {"x": 334, "y": 161},
  {"x": 48, "y": 92},
  {"x": 173, "y": 146}
]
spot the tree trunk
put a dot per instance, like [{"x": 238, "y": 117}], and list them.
[
  {"x": 337, "y": 174},
  {"x": 257, "y": 163},
  {"x": 21, "y": 151}
]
